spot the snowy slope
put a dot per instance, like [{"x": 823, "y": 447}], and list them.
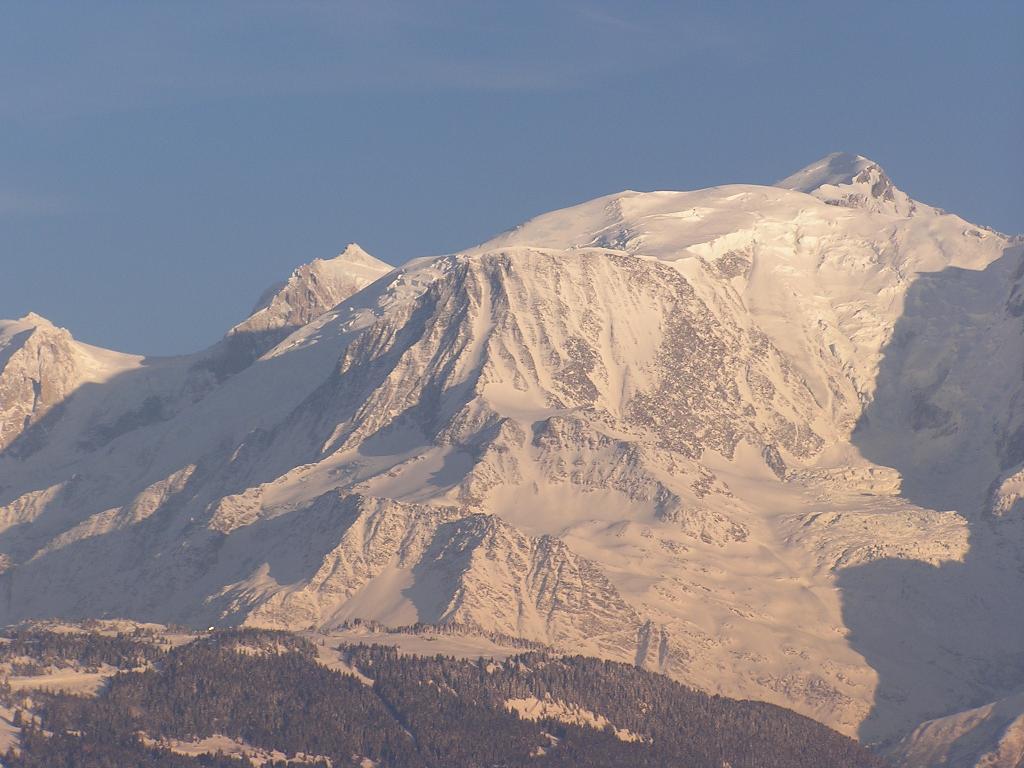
[
  {"x": 990, "y": 736},
  {"x": 736, "y": 435},
  {"x": 42, "y": 366}
]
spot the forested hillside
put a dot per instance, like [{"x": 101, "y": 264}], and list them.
[{"x": 268, "y": 692}]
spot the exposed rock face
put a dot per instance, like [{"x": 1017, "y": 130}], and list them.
[
  {"x": 38, "y": 370},
  {"x": 456, "y": 567},
  {"x": 684, "y": 429},
  {"x": 311, "y": 290},
  {"x": 1007, "y": 495}
]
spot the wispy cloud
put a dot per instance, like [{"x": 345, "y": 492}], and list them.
[{"x": 602, "y": 16}]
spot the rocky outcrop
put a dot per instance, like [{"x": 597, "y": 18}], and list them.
[{"x": 39, "y": 369}]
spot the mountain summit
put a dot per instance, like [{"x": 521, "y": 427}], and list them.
[
  {"x": 853, "y": 181},
  {"x": 311, "y": 290}
]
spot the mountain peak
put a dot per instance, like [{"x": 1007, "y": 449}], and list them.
[
  {"x": 34, "y": 320},
  {"x": 354, "y": 253},
  {"x": 836, "y": 169},
  {"x": 852, "y": 181},
  {"x": 311, "y": 290},
  {"x": 13, "y": 333}
]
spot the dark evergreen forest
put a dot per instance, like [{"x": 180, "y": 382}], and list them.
[{"x": 268, "y": 690}]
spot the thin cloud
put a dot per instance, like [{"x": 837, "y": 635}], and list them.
[{"x": 602, "y": 16}]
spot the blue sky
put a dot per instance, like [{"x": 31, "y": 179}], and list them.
[{"x": 161, "y": 163}]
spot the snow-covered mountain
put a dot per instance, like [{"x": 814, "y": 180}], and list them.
[
  {"x": 766, "y": 440},
  {"x": 41, "y": 365},
  {"x": 309, "y": 291}
]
